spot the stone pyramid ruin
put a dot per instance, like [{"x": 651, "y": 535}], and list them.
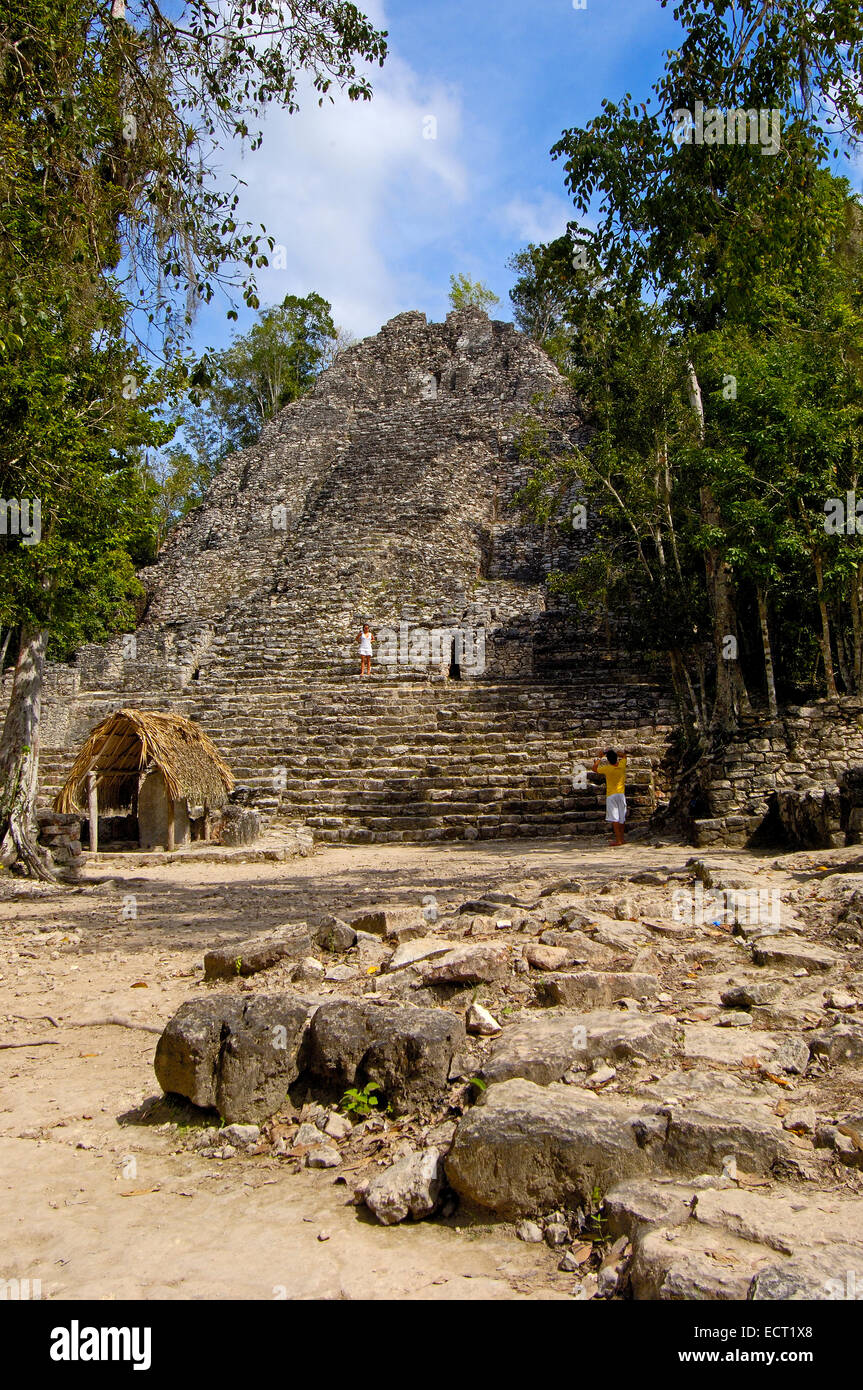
[{"x": 387, "y": 495}]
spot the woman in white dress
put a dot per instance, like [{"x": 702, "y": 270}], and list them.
[{"x": 365, "y": 639}]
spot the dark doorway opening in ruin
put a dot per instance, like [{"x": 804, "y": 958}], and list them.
[
  {"x": 455, "y": 660},
  {"x": 196, "y": 674}
]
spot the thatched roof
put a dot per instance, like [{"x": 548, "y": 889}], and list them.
[{"x": 132, "y": 740}]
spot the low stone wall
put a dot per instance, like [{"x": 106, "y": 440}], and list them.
[{"x": 784, "y": 778}]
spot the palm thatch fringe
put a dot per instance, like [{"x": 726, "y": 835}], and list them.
[{"x": 132, "y": 741}]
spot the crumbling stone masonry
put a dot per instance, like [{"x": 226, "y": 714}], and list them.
[{"x": 793, "y": 778}]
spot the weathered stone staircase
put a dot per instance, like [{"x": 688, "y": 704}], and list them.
[{"x": 386, "y": 759}]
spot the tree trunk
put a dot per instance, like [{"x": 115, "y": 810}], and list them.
[
  {"x": 768, "y": 653},
  {"x": 19, "y": 757},
  {"x": 731, "y": 693},
  {"x": 857, "y": 628},
  {"x": 844, "y": 653},
  {"x": 826, "y": 651}
]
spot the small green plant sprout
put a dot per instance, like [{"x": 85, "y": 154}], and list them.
[
  {"x": 361, "y": 1103},
  {"x": 478, "y": 1082},
  {"x": 238, "y": 965}
]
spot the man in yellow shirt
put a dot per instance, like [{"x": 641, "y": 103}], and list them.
[{"x": 614, "y": 772}]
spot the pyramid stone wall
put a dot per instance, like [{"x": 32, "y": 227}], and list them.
[{"x": 386, "y": 493}]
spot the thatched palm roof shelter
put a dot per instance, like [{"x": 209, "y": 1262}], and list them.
[{"x": 132, "y": 741}]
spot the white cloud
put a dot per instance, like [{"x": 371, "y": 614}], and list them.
[
  {"x": 347, "y": 188},
  {"x": 539, "y": 219}
]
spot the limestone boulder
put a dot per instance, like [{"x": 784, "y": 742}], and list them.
[
  {"x": 474, "y": 964},
  {"x": 527, "y": 1148},
  {"x": 261, "y": 1057},
  {"x": 545, "y": 1047},
  {"x": 189, "y": 1051},
  {"x": 258, "y": 953},
  {"x": 726, "y": 1242},
  {"x": 596, "y": 989},
  {"x": 407, "y": 1051},
  {"x": 793, "y": 953},
  {"x": 237, "y": 1056}
]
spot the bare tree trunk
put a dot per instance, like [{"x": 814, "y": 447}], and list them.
[
  {"x": 19, "y": 757},
  {"x": 826, "y": 651},
  {"x": 844, "y": 654},
  {"x": 731, "y": 693},
  {"x": 857, "y": 630},
  {"x": 772, "y": 704}
]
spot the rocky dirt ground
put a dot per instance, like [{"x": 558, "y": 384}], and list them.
[{"x": 606, "y": 1074}]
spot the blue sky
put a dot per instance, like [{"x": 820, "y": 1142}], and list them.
[{"x": 375, "y": 216}]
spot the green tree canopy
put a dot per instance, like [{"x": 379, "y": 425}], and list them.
[{"x": 465, "y": 293}]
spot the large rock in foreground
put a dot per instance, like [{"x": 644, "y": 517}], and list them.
[
  {"x": 529, "y": 1148},
  {"x": 236, "y": 1056},
  {"x": 407, "y": 1051},
  {"x": 724, "y": 1242}
]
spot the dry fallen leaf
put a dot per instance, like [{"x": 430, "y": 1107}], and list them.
[{"x": 140, "y": 984}]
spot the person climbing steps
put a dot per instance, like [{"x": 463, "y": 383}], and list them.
[
  {"x": 365, "y": 639},
  {"x": 614, "y": 772}
]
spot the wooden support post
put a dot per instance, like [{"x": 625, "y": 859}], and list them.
[
  {"x": 172, "y": 811},
  {"x": 93, "y": 812}
]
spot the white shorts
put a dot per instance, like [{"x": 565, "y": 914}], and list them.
[{"x": 615, "y": 808}]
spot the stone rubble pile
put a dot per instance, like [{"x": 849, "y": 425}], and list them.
[{"x": 672, "y": 1106}]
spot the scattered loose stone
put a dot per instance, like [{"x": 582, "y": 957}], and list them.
[
  {"x": 529, "y": 1232},
  {"x": 800, "y": 1120},
  {"x": 323, "y": 1156},
  {"x": 310, "y": 970},
  {"x": 469, "y": 965},
  {"x": 410, "y": 1187},
  {"x": 479, "y": 1020},
  {"x": 337, "y": 1126},
  {"x": 556, "y": 1234}
]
